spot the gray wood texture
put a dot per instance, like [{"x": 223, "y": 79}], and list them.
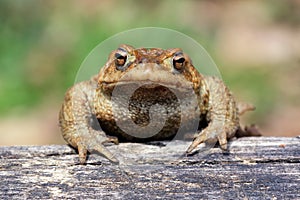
[{"x": 253, "y": 168}]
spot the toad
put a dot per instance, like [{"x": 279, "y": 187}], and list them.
[{"x": 167, "y": 97}]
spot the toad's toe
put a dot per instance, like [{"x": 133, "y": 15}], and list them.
[
  {"x": 198, "y": 140},
  {"x": 82, "y": 150},
  {"x": 210, "y": 136},
  {"x": 100, "y": 149},
  {"x": 222, "y": 138},
  {"x": 94, "y": 142}
]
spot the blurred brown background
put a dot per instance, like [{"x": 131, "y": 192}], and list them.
[{"x": 256, "y": 45}]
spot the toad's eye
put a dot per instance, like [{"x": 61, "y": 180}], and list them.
[
  {"x": 120, "y": 58},
  {"x": 178, "y": 61}
]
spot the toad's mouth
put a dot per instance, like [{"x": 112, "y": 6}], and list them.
[
  {"x": 149, "y": 76},
  {"x": 173, "y": 85}
]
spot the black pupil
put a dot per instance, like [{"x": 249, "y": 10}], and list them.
[
  {"x": 119, "y": 56},
  {"x": 180, "y": 60}
]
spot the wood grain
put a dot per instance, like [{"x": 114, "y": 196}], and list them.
[{"x": 254, "y": 168}]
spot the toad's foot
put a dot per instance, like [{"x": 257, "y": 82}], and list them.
[
  {"x": 93, "y": 142},
  {"x": 222, "y": 115},
  {"x": 76, "y": 119},
  {"x": 210, "y": 136}
]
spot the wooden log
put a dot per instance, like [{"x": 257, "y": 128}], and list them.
[{"x": 254, "y": 168}]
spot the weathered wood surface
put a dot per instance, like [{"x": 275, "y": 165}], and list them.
[{"x": 254, "y": 168}]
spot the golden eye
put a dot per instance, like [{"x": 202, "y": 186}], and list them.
[
  {"x": 178, "y": 61},
  {"x": 120, "y": 58}
]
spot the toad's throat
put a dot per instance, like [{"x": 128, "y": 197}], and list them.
[
  {"x": 144, "y": 102},
  {"x": 146, "y": 95}
]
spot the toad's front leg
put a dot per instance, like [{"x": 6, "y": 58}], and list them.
[
  {"x": 76, "y": 120},
  {"x": 222, "y": 115}
]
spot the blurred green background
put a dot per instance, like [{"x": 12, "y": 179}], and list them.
[{"x": 256, "y": 45}]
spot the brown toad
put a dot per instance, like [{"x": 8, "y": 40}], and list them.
[{"x": 168, "y": 95}]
